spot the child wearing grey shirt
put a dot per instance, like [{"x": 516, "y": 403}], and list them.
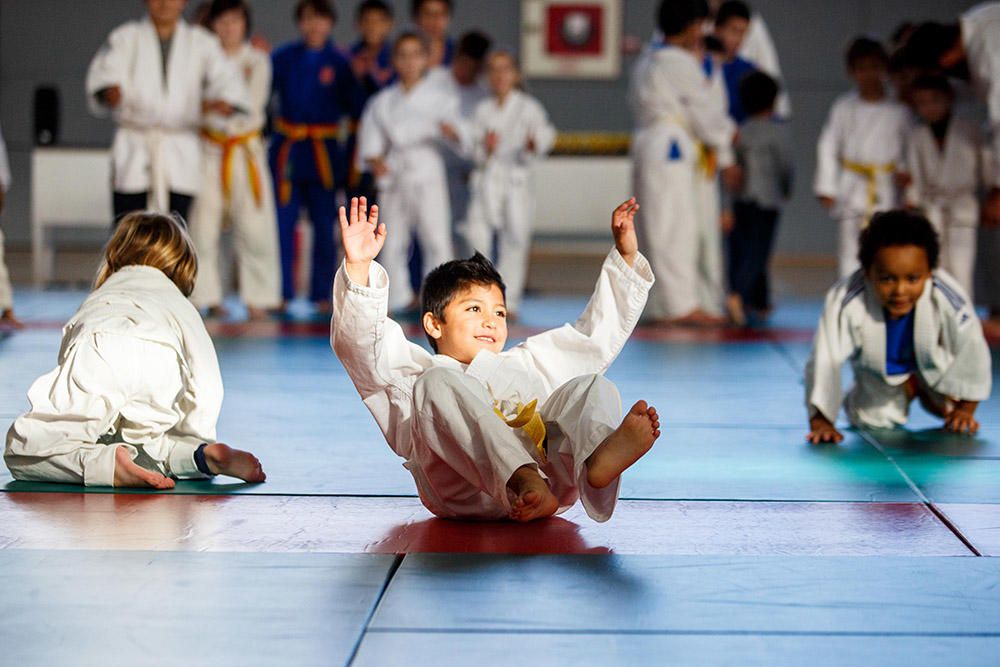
[{"x": 763, "y": 152}]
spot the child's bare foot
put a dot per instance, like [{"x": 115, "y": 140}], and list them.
[
  {"x": 128, "y": 473},
  {"x": 255, "y": 314},
  {"x": 534, "y": 498},
  {"x": 8, "y": 319},
  {"x": 224, "y": 460},
  {"x": 636, "y": 435}
]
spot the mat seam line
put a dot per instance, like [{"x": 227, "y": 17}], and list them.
[
  {"x": 390, "y": 575},
  {"x": 628, "y": 632},
  {"x": 940, "y": 515}
]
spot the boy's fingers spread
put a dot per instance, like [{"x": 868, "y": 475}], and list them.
[
  {"x": 343, "y": 217},
  {"x": 373, "y": 216}
]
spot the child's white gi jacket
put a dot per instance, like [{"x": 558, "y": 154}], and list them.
[
  {"x": 952, "y": 356},
  {"x": 385, "y": 366},
  {"x": 136, "y": 367}
]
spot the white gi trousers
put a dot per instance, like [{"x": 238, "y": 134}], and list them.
[
  {"x": 464, "y": 454},
  {"x": 6, "y": 292},
  {"x": 255, "y": 230},
  {"x": 711, "y": 276}
]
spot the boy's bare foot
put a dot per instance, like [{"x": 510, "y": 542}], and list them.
[
  {"x": 224, "y": 460},
  {"x": 734, "y": 307},
  {"x": 7, "y": 319},
  {"x": 255, "y": 314},
  {"x": 636, "y": 435},
  {"x": 534, "y": 498},
  {"x": 128, "y": 473}
]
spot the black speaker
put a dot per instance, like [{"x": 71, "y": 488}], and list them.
[{"x": 46, "y": 116}]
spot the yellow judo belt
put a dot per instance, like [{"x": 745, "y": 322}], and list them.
[
  {"x": 293, "y": 133},
  {"x": 527, "y": 419},
  {"x": 708, "y": 160},
  {"x": 870, "y": 173},
  {"x": 229, "y": 143}
]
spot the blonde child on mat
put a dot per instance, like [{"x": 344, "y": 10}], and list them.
[
  {"x": 135, "y": 397},
  {"x": 488, "y": 433}
]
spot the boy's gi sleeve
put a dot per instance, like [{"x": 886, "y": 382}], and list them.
[
  {"x": 914, "y": 191},
  {"x": 828, "y": 155},
  {"x": 373, "y": 348},
  {"x": 705, "y": 110},
  {"x": 970, "y": 376},
  {"x": 832, "y": 346},
  {"x": 541, "y": 130},
  {"x": 372, "y": 140},
  {"x": 223, "y": 79},
  {"x": 109, "y": 66},
  {"x": 592, "y": 343}
]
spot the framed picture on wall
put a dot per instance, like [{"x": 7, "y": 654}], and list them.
[{"x": 571, "y": 39}]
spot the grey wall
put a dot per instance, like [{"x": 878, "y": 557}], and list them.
[{"x": 52, "y": 41}]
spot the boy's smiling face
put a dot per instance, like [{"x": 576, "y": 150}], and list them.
[
  {"x": 898, "y": 274},
  {"x": 475, "y": 319}
]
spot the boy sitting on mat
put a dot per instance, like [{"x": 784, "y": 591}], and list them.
[
  {"x": 488, "y": 433},
  {"x": 908, "y": 330},
  {"x": 137, "y": 392}
]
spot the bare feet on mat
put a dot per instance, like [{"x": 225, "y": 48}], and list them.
[
  {"x": 533, "y": 497},
  {"x": 128, "y": 473},
  {"x": 630, "y": 441},
  {"x": 224, "y": 460},
  {"x": 8, "y": 320},
  {"x": 255, "y": 314},
  {"x": 696, "y": 318}
]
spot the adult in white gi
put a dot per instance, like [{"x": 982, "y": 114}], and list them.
[
  {"x": 136, "y": 370},
  {"x": 860, "y": 149},
  {"x": 440, "y": 414},
  {"x": 953, "y": 360},
  {"x": 7, "y": 317},
  {"x": 945, "y": 184},
  {"x": 402, "y": 137},
  {"x": 236, "y": 185},
  {"x": 154, "y": 76},
  {"x": 675, "y": 108},
  {"x": 511, "y": 130}
]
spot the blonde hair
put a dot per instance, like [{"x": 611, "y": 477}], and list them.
[{"x": 146, "y": 238}]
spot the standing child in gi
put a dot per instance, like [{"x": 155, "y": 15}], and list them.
[
  {"x": 136, "y": 394},
  {"x": 315, "y": 90},
  {"x": 7, "y": 318},
  {"x": 511, "y": 130},
  {"x": 156, "y": 77},
  {"x": 403, "y": 132},
  {"x": 908, "y": 330},
  {"x": 487, "y": 433},
  {"x": 675, "y": 108},
  {"x": 861, "y": 150},
  {"x": 764, "y": 153},
  {"x": 236, "y": 181},
  {"x": 947, "y": 160}
]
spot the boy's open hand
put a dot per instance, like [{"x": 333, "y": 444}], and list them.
[
  {"x": 822, "y": 430},
  {"x": 962, "y": 419},
  {"x": 623, "y": 228},
  {"x": 362, "y": 238}
]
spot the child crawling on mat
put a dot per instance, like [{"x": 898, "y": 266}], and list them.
[
  {"x": 488, "y": 433},
  {"x": 137, "y": 392},
  {"x": 909, "y": 331}
]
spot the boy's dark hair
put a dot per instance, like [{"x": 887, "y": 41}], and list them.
[
  {"x": 758, "y": 91},
  {"x": 220, "y": 7},
  {"x": 936, "y": 82},
  {"x": 373, "y": 6},
  {"x": 901, "y": 34},
  {"x": 417, "y": 5},
  {"x": 862, "y": 48},
  {"x": 443, "y": 283},
  {"x": 713, "y": 44},
  {"x": 898, "y": 228},
  {"x": 732, "y": 9},
  {"x": 408, "y": 35},
  {"x": 321, "y": 7},
  {"x": 675, "y": 16},
  {"x": 474, "y": 44},
  {"x": 928, "y": 42}
]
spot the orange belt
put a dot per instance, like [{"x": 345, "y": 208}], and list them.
[
  {"x": 228, "y": 143},
  {"x": 294, "y": 133}
]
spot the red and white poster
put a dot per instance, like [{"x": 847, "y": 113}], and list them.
[{"x": 571, "y": 39}]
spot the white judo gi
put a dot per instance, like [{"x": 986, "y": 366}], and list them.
[
  {"x": 981, "y": 36},
  {"x": 952, "y": 357},
  {"x": 236, "y": 184},
  {"x": 675, "y": 108},
  {"x": 136, "y": 369},
  {"x": 458, "y": 164},
  {"x": 503, "y": 201},
  {"x": 945, "y": 185},
  {"x": 861, "y": 147},
  {"x": 438, "y": 414},
  {"x": 156, "y": 148},
  {"x": 404, "y": 128},
  {"x": 6, "y": 293}
]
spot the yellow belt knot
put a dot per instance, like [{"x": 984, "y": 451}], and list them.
[
  {"x": 228, "y": 144},
  {"x": 870, "y": 173},
  {"x": 527, "y": 419},
  {"x": 708, "y": 160}
]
